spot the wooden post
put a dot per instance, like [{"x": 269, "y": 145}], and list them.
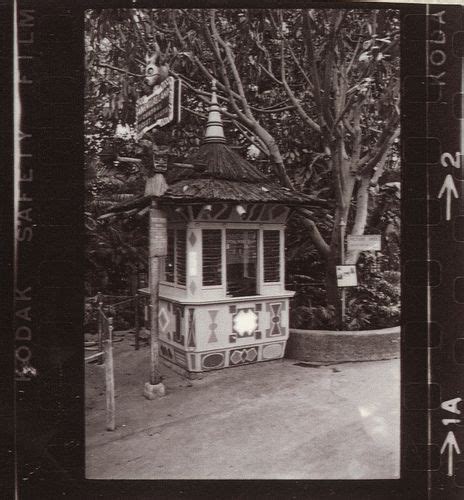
[
  {"x": 136, "y": 321},
  {"x": 100, "y": 326},
  {"x": 158, "y": 244},
  {"x": 109, "y": 378},
  {"x": 342, "y": 259}
]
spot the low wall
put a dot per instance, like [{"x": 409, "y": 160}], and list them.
[{"x": 328, "y": 346}]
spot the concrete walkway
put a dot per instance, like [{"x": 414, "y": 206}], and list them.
[{"x": 272, "y": 420}]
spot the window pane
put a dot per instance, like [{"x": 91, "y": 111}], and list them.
[
  {"x": 169, "y": 260},
  {"x": 241, "y": 258},
  {"x": 212, "y": 261},
  {"x": 180, "y": 256},
  {"x": 271, "y": 251}
]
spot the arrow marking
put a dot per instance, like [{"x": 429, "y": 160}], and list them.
[
  {"x": 450, "y": 443},
  {"x": 449, "y": 187}
]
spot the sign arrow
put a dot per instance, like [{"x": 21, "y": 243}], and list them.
[
  {"x": 449, "y": 187},
  {"x": 450, "y": 443}
]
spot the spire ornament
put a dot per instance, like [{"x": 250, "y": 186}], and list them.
[{"x": 214, "y": 129}]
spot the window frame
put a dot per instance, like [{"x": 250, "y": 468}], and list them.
[
  {"x": 281, "y": 268},
  {"x": 261, "y": 285},
  {"x": 222, "y": 276},
  {"x": 175, "y": 283}
]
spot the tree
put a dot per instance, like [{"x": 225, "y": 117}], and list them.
[{"x": 315, "y": 91}]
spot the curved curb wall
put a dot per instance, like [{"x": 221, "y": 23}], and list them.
[{"x": 328, "y": 346}]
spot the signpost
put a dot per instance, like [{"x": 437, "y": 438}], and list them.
[
  {"x": 159, "y": 108},
  {"x": 364, "y": 243},
  {"x": 346, "y": 275}
]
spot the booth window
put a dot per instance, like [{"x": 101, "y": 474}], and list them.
[
  {"x": 271, "y": 253},
  {"x": 212, "y": 256},
  {"x": 241, "y": 260},
  {"x": 175, "y": 263},
  {"x": 170, "y": 258},
  {"x": 181, "y": 249}
]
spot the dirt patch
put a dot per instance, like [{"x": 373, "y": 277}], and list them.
[{"x": 267, "y": 420}]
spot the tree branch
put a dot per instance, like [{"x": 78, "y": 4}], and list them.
[
  {"x": 312, "y": 124},
  {"x": 308, "y": 40},
  {"x": 231, "y": 61},
  {"x": 316, "y": 237},
  {"x": 109, "y": 66},
  {"x": 254, "y": 139},
  {"x": 139, "y": 33},
  {"x": 370, "y": 159}
]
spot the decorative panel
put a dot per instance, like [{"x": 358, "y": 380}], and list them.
[
  {"x": 273, "y": 351},
  {"x": 212, "y": 326},
  {"x": 167, "y": 352},
  {"x": 191, "y": 328},
  {"x": 192, "y": 239},
  {"x": 213, "y": 360},
  {"x": 256, "y": 212},
  {"x": 242, "y": 356},
  {"x": 163, "y": 318},
  {"x": 275, "y": 328},
  {"x": 244, "y": 322},
  {"x": 174, "y": 355},
  {"x": 178, "y": 314},
  {"x": 180, "y": 357},
  {"x": 278, "y": 211}
]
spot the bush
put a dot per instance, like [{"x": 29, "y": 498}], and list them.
[{"x": 375, "y": 303}]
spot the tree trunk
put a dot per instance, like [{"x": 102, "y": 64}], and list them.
[
  {"x": 334, "y": 258},
  {"x": 362, "y": 200},
  {"x": 332, "y": 291}
]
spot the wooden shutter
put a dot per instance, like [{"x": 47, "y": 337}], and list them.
[
  {"x": 271, "y": 251},
  {"x": 181, "y": 249},
  {"x": 169, "y": 259},
  {"x": 212, "y": 257}
]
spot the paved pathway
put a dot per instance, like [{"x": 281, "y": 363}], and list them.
[{"x": 272, "y": 420}]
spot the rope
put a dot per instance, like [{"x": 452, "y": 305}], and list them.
[
  {"x": 119, "y": 303},
  {"x": 116, "y": 296}
]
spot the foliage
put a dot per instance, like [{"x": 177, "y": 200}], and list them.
[
  {"x": 374, "y": 303},
  {"x": 310, "y": 95}
]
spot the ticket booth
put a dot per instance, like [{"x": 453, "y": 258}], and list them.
[{"x": 222, "y": 296}]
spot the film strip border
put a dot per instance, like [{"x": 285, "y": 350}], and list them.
[
  {"x": 49, "y": 270},
  {"x": 432, "y": 356},
  {"x": 445, "y": 229},
  {"x": 50, "y": 409}
]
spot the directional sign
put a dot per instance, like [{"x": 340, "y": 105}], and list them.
[
  {"x": 448, "y": 188},
  {"x": 451, "y": 444},
  {"x": 346, "y": 276},
  {"x": 364, "y": 243},
  {"x": 159, "y": 108}
]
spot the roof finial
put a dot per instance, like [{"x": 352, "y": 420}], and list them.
[{"x": 214, "y": 130}]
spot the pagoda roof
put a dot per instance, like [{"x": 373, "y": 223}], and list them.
[
  {"x": 225, "y": 175},
  {"x": 213, "y": 189},
  {"x": 218, "y": 173},
  {"x": 219, "y": 161}
]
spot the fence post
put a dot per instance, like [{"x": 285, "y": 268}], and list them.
[
  {"x": 109, "y": 378},
  {"x": 136, "y": 322},
  {"x": 100, "y": 326}
]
